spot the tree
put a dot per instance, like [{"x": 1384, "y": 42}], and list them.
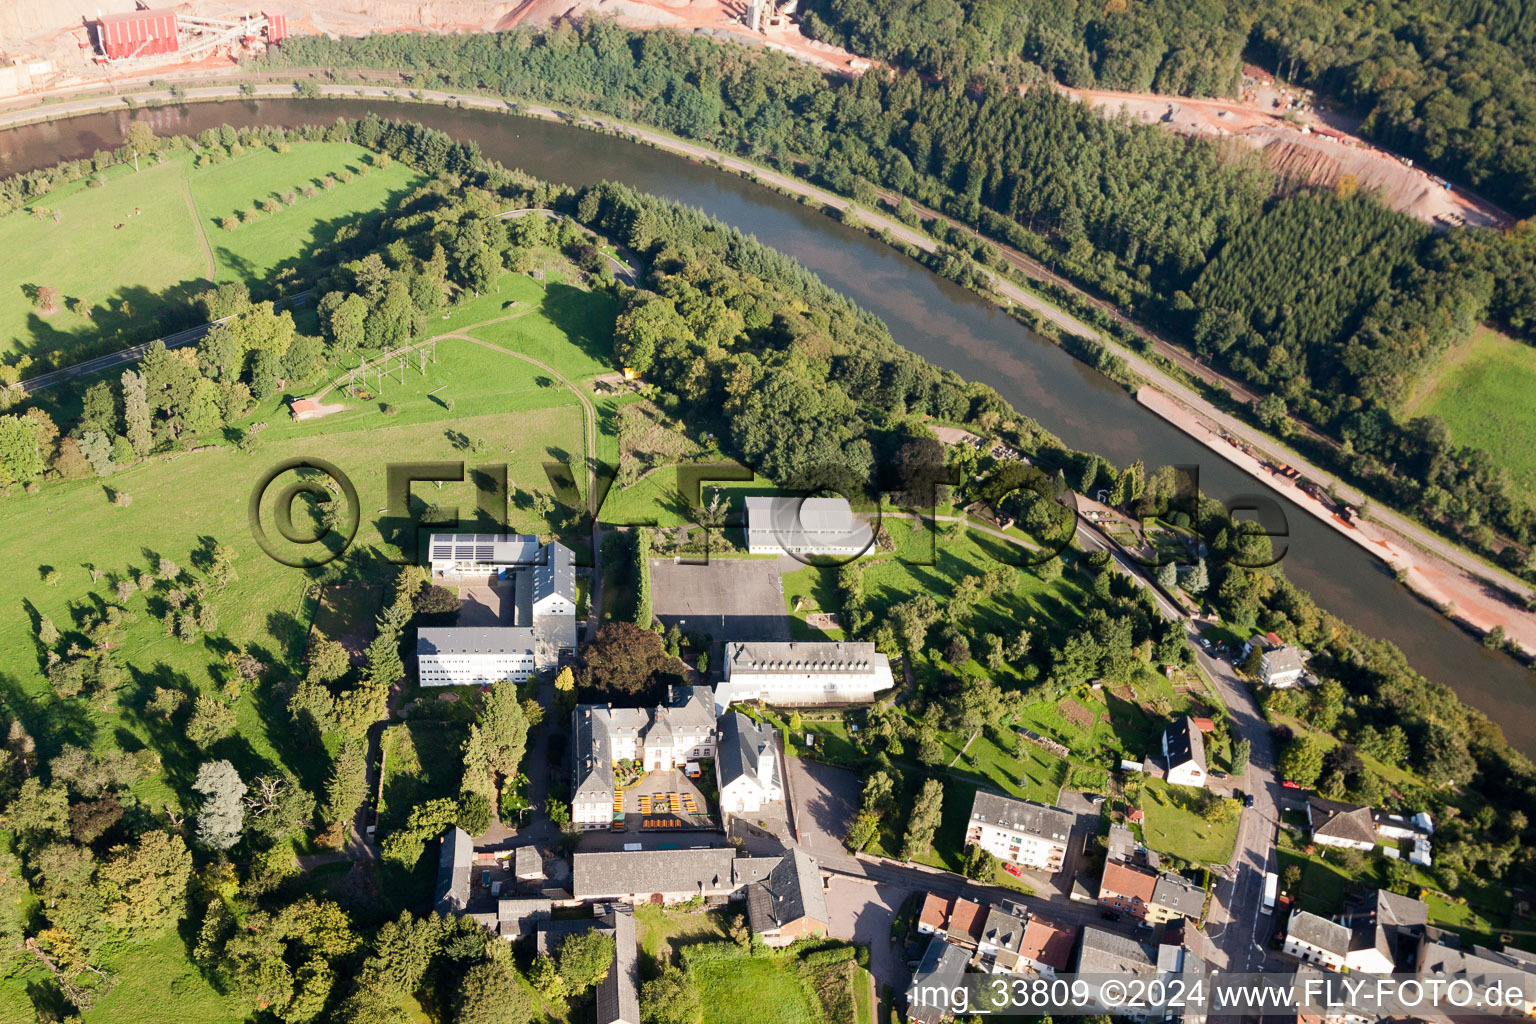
[
  {"x": 979, "y": 864},
  {"x": 211, "y": 721},
  {"x": 328, "y": 660},
  {"x": 923, "y": 821},
  {"x": 584, "y": 959},
  {"x": 47, "y": 299},
  {"x": 21, "y": 456},
  {"x": 1242, "y": 750},
  {"x": 1443, "y": 758},
  {"x": 624, "y": 660},
  {"x": 222, "y": 816},
  {"x": 492, "y": 994},
  {"x": 474, "y": 813},
  {"x": 565, "y": 688},
  {"x": 670, "y": 998},
  {"x": 347, "y": 785},
  {"x": 1291, "y": 876},
  {"x": 136, "y": 414},
  {"x": 144, "y": 885},
  {"x": 505, "y": 727},
  {"x": 1199, "y": 579},
  {"x": 1302, "y": 761},
  {"x": 1168, "y": 576}
]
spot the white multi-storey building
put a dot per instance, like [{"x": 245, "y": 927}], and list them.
[
  {"x": 1019, "y": 831},
  {"x": 747, "y": 772},
  {"x": 472, "y": 657},
  {"x": 802, "y": 673}
]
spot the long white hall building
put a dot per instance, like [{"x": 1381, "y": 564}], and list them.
[{"x": 803, "y": 673}]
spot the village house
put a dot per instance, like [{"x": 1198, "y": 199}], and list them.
[
  {"x": 1127, "y": 889},
  {"x": 1047, "y": 946},
  {"x": 747, "y": 772},
  {"x": 1020, "y": 832},
  {"x": 1174, "y": 897},
  {"x": 1339, "y": 824},
  {"x": 800, "y": 673},
  {"x": 1280, "y": 668},
  {"x": 1184, "y": 753},
  {"x": 1002, "y": 936},
  {"x": 789, "y": 904}
]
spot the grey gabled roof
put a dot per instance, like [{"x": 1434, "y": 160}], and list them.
[
  {"x": 453, "y": 864},
  {"x": 1179, "y": 894},
  {"x": 943, "y": 964},
  {"x": 800, "y": 656},
  {"x": 1339, "y": 820},
  {"x": 1319, "y": 932},
  {"x": 1003, "y": 928},
  {"x": 591, "y": 750},
  {"x": 745, "y": 870},
  {"x": 1284, "y": 659},
  {"x": 791, "y": 892},
  {"x": 555, "y": 574},
  {"x": 620, "y": 873},
  {"x": 736, "y": 752},
  {"x": 470, "y": 640},
  {"x": 618, "y": 994},
  {"x": 1027, "y": 816},
  {"x": 1106, "y": 952},
  {"x": 1185, "y": 743}
]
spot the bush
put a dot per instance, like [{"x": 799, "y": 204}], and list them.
[{"x": 474, "y": 813}]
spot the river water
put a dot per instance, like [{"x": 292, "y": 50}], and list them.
[{"x": 929, "y": 315}]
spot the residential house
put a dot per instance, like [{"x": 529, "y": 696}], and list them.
[
  {"x": 454, "y": 859},
  {"x": 660, "y": 739},
  {"x": 1019, "y": 831},
  {"x": 1314, "y": 939},
  {"x": 1281, "y": 667},
  {"x": 933, "y": 918},
  {"x": 1184, "y": 753},
  {"x": 1385, "y": 937},
  {"x": 790, "y": 903},
  {"x": 1002, "y": 935},
  {"x": 1335, "y": 823},
  {"x": 1122, "y": 844},
  {"x": 787, "y": 524},
  {"x": 940, "y": 972},
  {"x": 1106, "y": 953},
  {"x": 1047, "y": 946},
  {"x": 1181, "y": 971},
  {"x": 1174, "y": 897},
  {"x": 802, "y": 673},
  {"x": 747, "y": 772},
  {"x": 965, "y": 923},
  {"x": 1127, "y": 889}
]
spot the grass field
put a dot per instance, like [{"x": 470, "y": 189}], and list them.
[
  {"x": 167, "y": 212},
  {"x": 1482, "y": 392},
  {"x": 752, "y": 991},
  {"x": 1173, "y": 827}
]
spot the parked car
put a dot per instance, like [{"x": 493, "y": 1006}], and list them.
[
  {"x": 1014, "y": 870},
  {"x": 1288, "y": 784},
  {"x": 1218, "y": 775},
  {"x": 1247, "y": 799}
]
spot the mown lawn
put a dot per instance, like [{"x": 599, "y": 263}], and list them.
[
  {"x": 1482, "y": 392},
  {"x": 157, "y": 256},
  {"x": 1175, "y": 827},
  {"x": 753, "y": 990},
  {"x": 286, "y": 238}
]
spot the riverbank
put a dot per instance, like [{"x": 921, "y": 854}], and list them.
[{"x": 1465, "y": 583}]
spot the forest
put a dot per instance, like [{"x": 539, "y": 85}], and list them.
[
  {"x": 1449, "y": 84},
  {"x": 1177, "y": 232}
]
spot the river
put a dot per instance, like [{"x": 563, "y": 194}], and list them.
[{"x": 929, "y": 315}]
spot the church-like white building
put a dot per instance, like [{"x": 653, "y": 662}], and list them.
[{"x": 803, "y": 673}]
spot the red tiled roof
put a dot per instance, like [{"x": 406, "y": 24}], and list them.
[
  {"x": 1124, "y": 880},
  {"x": 1204, "y": 724},
  {"x": 935, "y": 910},
  {"x": 303, "y": 405},
  {"x": 1136, "y": 814},
  {"x": 966, "y": 918},
  {"x": 1048, "y": 942}
]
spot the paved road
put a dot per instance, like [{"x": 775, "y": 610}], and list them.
[{"x": 190, "y": 336}]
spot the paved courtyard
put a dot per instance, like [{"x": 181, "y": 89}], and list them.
[
  {"x": 825, "y": 799},
  {"x": 487, "y": 604},
  {"x": 657, "y": 785},
  {"x": 730, "y": 598}
]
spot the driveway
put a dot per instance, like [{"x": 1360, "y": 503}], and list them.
[
  {"x": 738, "y": 599},
  {"x": 826, "y": 799},
  {"x": 862, "y": 912}
]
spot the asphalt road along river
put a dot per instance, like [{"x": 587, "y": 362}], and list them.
[{"x": 939, "y": 320}]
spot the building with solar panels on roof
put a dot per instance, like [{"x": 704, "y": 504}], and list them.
[{"x": 542, "y": 624}]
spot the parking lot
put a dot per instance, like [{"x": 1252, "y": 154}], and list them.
[{"x": 729, "y": 598}]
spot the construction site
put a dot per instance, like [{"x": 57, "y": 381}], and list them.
[
  {"x": 65, "y": 45},
  {"x": 1305, "y": 144}
]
